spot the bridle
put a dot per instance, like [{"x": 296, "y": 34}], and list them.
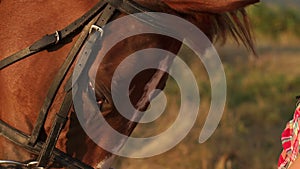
[{"x": 90, "y": 25}]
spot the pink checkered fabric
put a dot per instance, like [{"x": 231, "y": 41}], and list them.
[{"x": 290, "y": 138}]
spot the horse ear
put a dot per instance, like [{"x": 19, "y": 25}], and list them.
[{"x": 210, "y": 6}]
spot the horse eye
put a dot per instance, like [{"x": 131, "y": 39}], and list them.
[{"x": 103, "y": 104}]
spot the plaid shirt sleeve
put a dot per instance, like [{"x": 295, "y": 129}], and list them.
[{"x": 290, "y": 138}]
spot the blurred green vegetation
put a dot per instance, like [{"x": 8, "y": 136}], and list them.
[
  {"x": 271, "y": 20},
  {"x": 260, "y": 101}
]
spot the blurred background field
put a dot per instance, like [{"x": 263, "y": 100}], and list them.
[{"x": 260, "y": 100}]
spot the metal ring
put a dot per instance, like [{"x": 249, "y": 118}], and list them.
[
  {"x": 96, "y": 28},
  {"x": 30, "y": 165}
]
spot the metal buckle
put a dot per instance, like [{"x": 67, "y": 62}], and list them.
[
  {"x": 57, "y": 37},
  {"x": 96, "y": 28}
]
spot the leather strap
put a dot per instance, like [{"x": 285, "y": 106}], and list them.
[
  {"x": 57, "y": 126},
  {"x": 57, "y": 83},
  {"x": 131, "y": 7},
  {"x": 127, "y": 6},
  {"x": 49, "y": 40},
  {"x": 20, "y": 139},
  {"x": 61, "y": 117},
  {"x": 88, "y": 48}
]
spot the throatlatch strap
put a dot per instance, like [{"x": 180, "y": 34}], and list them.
[{"x": 131, "y": 7}]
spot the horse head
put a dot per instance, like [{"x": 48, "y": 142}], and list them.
[
  {"x": 23, "y": 86},
  {"x": 215, "y": 19}
]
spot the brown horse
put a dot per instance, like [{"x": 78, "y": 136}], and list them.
[{"x": 24, "y": 85}]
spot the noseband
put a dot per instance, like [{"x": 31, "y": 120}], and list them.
[{"x": 90, "y": 25}]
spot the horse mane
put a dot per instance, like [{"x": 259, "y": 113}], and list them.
[
  {"x": 235, "y": 24},
  {"x": 216, "y": 18}
]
